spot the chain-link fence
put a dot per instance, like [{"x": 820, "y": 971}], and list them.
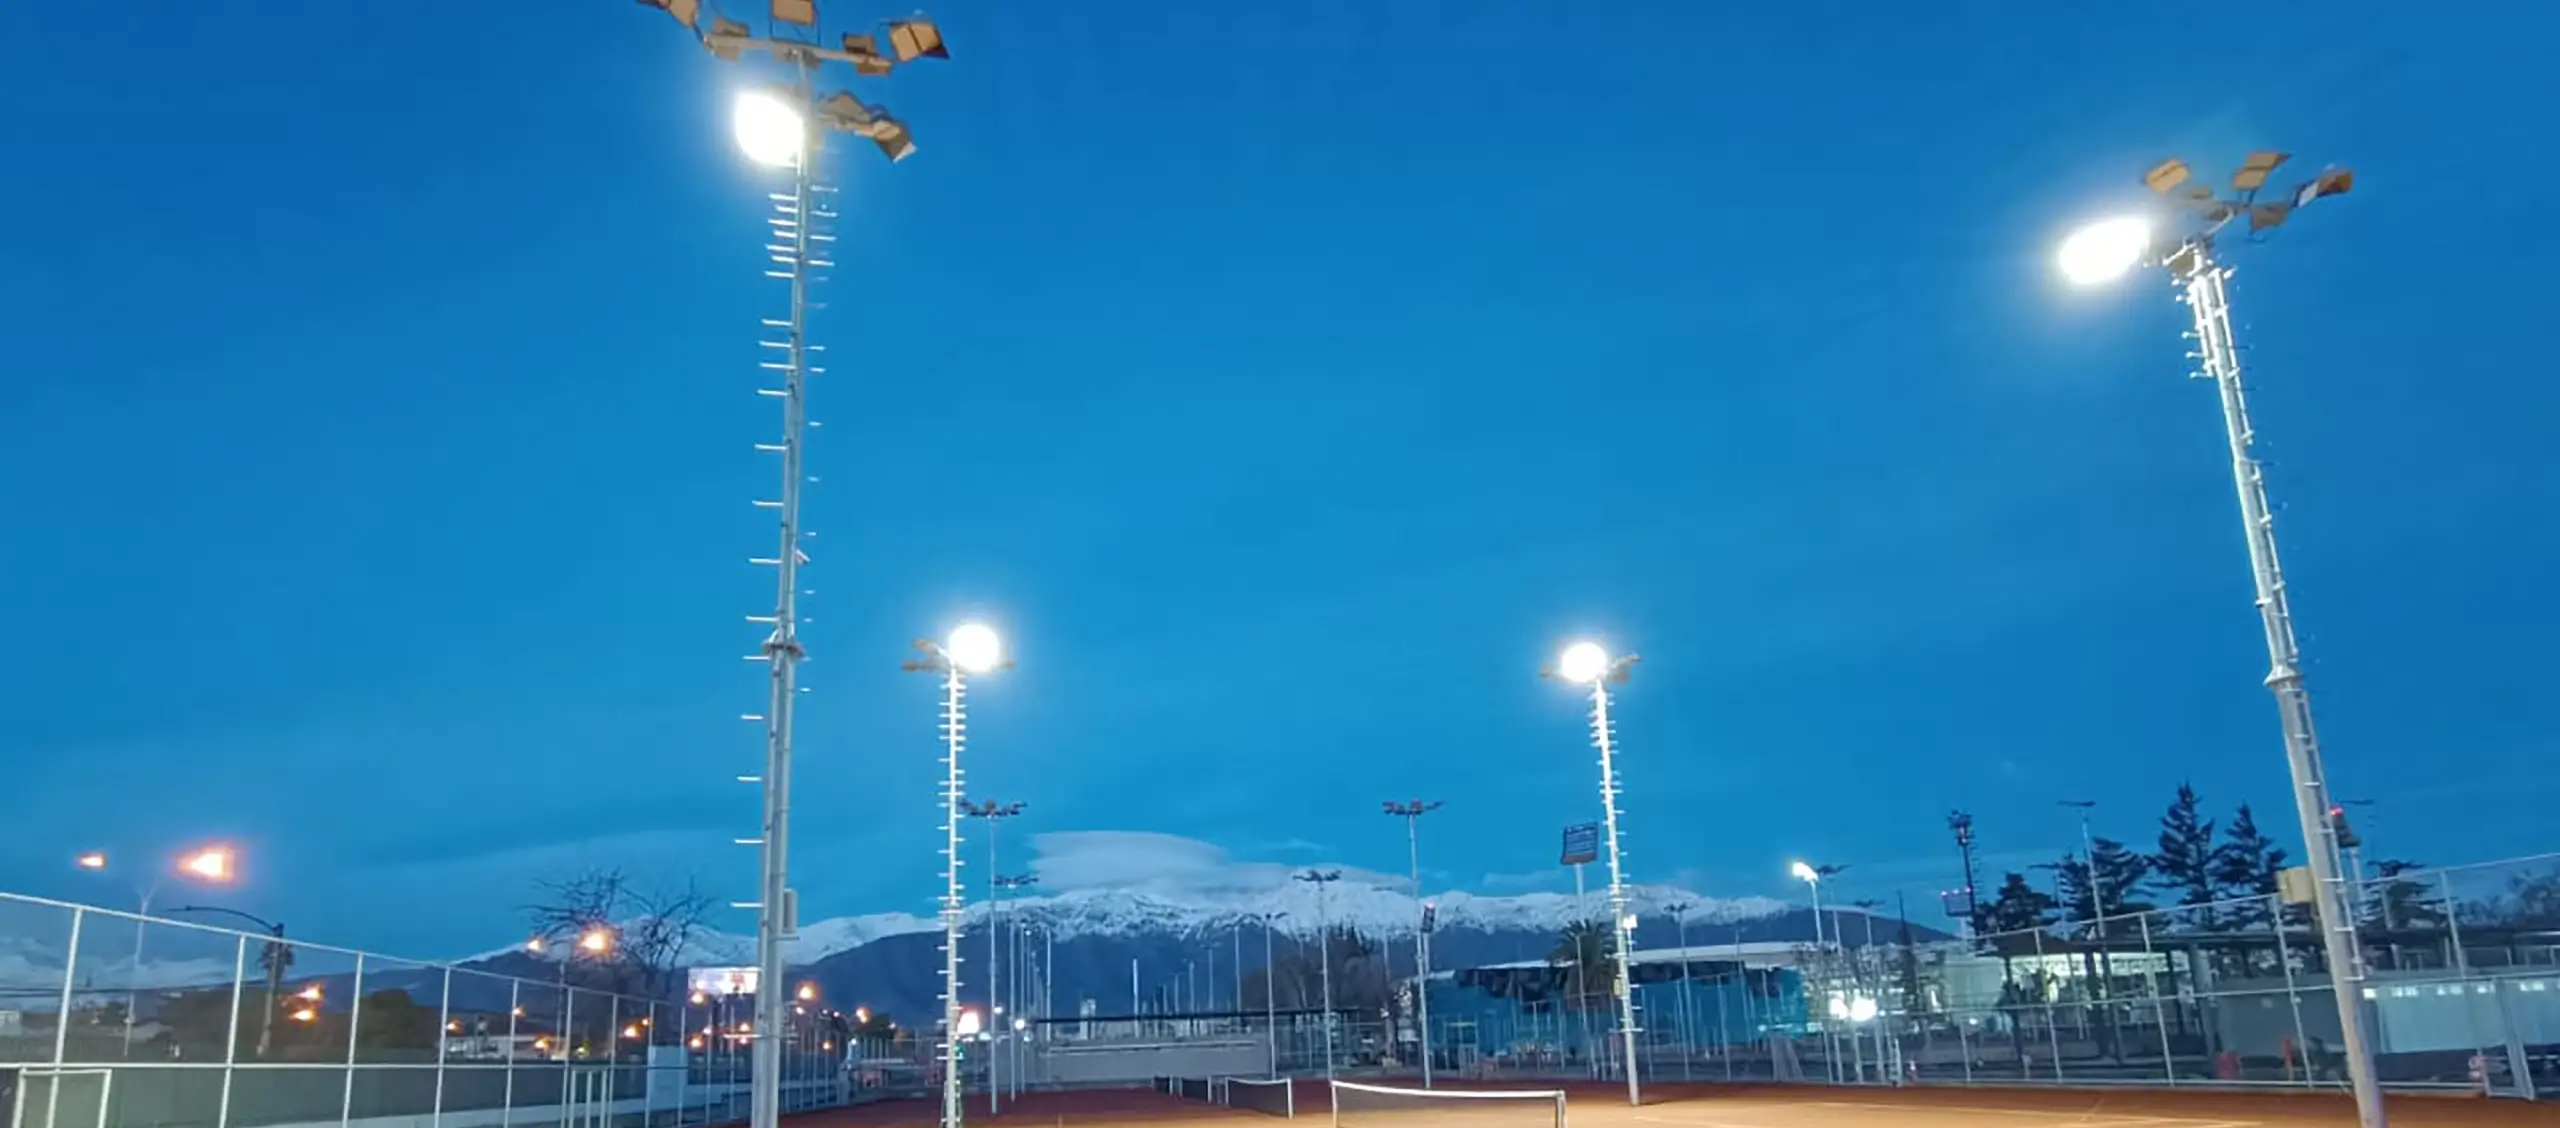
[
  {"x": 114, "y": 1020},
  {"x": 2460, "y": 984}
]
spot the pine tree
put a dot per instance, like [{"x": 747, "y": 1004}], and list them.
[
  {"x": 2018, "y": 907},
  {"x": 2186, "y": 859},
  {"x": 2401, "y": 901},
  {"x": 2124, "y": 877},
  {"x": 2245, "y": 866}
]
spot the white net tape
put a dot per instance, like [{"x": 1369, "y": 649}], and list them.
[{"x": 1355, "y": 1103}]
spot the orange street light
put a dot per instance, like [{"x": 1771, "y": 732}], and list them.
[{"x": 212, "y": 863}]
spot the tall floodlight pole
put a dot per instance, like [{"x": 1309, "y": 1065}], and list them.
[
  {"x": 2186, "y": 248},
  {"x": 1962, "y": 824},
  {"x": 785, "y": 127},
  {"x": 994, "y": 813},
  {"x": 1813, "y": 876},
  {"x": 973, "y": 648},
  {"x": 1585, "y": 663},
  {"x": 1679, "y": 911},
  {"x": 1324, "y": 953},
  {"x": 2089, "y": 862},
  {"x": 1013, "y": 982},
  {"x": 1411, "y": 812},
  {"x": 1270, "y": 994}
]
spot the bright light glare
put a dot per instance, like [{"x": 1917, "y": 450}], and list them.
[
  {"x": 1582, "y": 663},
  {"x": 2103, "y": 251},
  {"x": 595, "y": 940},
  {"x": 808, "y": 991},
  {"x": 769, "y": 131},
  {"x": 1803, "y": 872},
  {"x": 974, "y": 648},
  {"x": 1861, "y": 1009},
  {"x": 969, "y": 1023},
  {"x": 1839, "y": 1007},
  {"x": 1021, "y": 1023},
  {"x": 212, "y": 864},
  {"x": 92, "y": 860}
]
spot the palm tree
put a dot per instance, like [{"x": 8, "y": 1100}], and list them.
[{"x": 1583, "y": 950}]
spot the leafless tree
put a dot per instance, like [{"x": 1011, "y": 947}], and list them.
[{"x": 647, "y": 929}]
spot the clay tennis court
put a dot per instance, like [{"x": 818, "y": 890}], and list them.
[{"x": 1743, "y": 1106}]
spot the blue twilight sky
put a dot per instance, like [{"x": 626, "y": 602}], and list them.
[{"x": 1289, "y": 381}]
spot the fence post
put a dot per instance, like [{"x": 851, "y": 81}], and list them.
[
  {"x": 2159, "y": 1015},
  {"x": 231, "y": 1033},
  {"x": 2052, "y": 1029},
  {"x": 355, "y": 1020},
  {"x": 515, "y": 1009},
  {"x": 444, "y": 1044},
  {"x": 2292, "y": 994}
]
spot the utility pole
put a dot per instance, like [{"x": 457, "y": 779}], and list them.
[{"x": 1411, "y": 812}]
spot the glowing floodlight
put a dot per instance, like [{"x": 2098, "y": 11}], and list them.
[
  {"x": 1804, "y": 873},
  {"x": 770, "y": 132},
  {"x": 1582, "y": 663},
  {"x": 2104, "y": 251},
  {"x": 969, "y": 1024},
  {"x": 974, "y": 648},
  {"x": 213, "y": 864}
]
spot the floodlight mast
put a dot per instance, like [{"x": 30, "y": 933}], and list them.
[
  {"x": 954, "y": 664},
  {"x": 1412, "y": 813},
  {"x": 2201, "y": 278},
  {"x": 1587, "y": 662},
  {"x": 797, "y": 248},
  {"x": 994, "y": 812}
]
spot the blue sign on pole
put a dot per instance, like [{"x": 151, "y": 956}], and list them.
[{"x": 1581, "y": 844}]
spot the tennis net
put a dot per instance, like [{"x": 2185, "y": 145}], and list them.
[
  {"x": 1270, "y": 1095},
  {"x": 1380, "y": 1106}
]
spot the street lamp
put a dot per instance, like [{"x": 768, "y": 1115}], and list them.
[
  {"x": 273, "y": 957},
  {"x": 1324, "y": 952},
  {"x": 971, "y": 648},
  {"x": 776, "y": 128},
  {"x": 216, "y": 864},
  {"x": 2185, "y": 247},
  {"x": 1411, "y": 813},
  {"x": 1586, "y": 663}
]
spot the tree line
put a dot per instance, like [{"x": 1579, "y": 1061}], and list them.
[{"x": 2216, "y": 877}]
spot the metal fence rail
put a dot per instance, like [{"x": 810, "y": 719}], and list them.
[
  {"x": 2461, "y": 979},
  {"x": 111, "y": 1019}
]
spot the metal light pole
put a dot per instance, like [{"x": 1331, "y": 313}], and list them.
[
  {"x": 273, "y": 957},
  {"x": 1012, "y": 985},
  {"x": 1324, "y": 953},
  {"x": 994, "y": 813},
  {"x": 780, "y": 128},
  {"x": 1962, "y": 824},
  {"x": 973, "y": 648},
  {"x": 1679, "y": 911},
  {"x": 1270, "y": 995},
  {"x": 2108, "y": 250},
  {"x": 1813, "y": 876},
  {"x": 1412, "y": 812},
  {"x": 1585, "y": 663},
  {"x": 2089, "y": 862}
]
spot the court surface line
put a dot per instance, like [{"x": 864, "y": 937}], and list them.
[{"x": 2127, "y": 1118}]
